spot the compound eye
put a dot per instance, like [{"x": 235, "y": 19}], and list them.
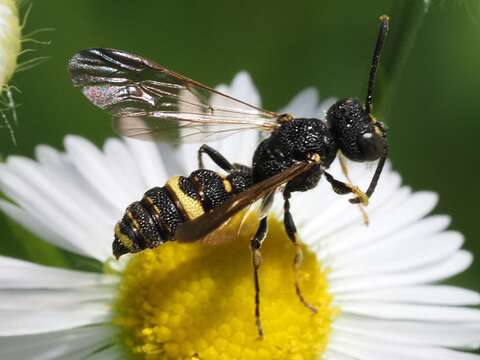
[{"x": 371, "y": 145}]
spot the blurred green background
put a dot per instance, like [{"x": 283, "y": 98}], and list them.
[{"x": 433, "y": 105}]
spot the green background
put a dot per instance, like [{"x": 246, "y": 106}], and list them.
[{"x": 433, "y": 104}]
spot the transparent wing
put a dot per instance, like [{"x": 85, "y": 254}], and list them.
[
  {"x": 245, "y": 223},
  {"x": 150, "y": 102}
]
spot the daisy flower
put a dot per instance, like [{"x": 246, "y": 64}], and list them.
[{"x": 376, "y": 287}]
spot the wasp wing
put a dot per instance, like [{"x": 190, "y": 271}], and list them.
[
  {"x": 200, "y": 227},
  {"x": 150, "y": 102},
  {"x": 244, "y": 222}
]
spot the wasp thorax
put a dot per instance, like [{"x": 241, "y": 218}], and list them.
[{"x": 355, "y": 131}]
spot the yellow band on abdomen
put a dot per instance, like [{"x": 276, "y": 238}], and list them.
[
  {"x": 123, "y": 238},
  {"x": 191, "y": 207}
]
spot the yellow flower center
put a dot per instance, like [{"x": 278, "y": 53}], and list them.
[{"x": 196, "y": 301}]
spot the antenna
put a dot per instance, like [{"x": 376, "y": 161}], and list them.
[{"x": 382, "y": 34}]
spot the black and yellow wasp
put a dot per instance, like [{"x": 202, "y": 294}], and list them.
[{"x": 150, "y": 102}]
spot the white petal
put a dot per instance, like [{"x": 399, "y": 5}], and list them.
[
  {"x": 111, "y": 353},
  {"x": 37, "y": 226},
  {"x": 149, "y": 162},
  {"x": 186, "y": 157},
  {"x": 37, "y": 182},
  {"x": 71, "y": 344},
  {"x": 17, "y": 299},
  {"x": 49, "y": 156},
  {"x": 124, "y": 168},
  {"x": 322, "y": 109},
  {"x": 304, "y": 104},
  {"x": 436, "y": 272},
  {"x": 386, "y": 220},
  {"x": 92, "y": 165},
  {"x": 411, "y": 311},
  {"x": 238, "y": 148},
  {"x": 336, "y": 214},
  {"x": 61, "y": 172},
  {"x": 413, "y": 233},
  {"x": 331, "y": 244},
  {"x": 46, "y": 212},
  {"x": 19, "y": 274},
  {"x": 36, "y": 321},
  {"x": 367, "y": 349},
  {"x": 35, "y": 190},
  {"x": 242, "y": 88},
  {"x": 334, "y": 355},
  {"x": 396, "y": 254},
  {"x": 341, "y": 344},
  {"x": 456, "y": 335},
  {"x": 173, "y": 162},
  {"x": 426, "y": 294}
]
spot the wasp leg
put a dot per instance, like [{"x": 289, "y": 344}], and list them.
[
  {"x": 255, "y": 245},
  {"x": 291, "y": 230},
  {"x": 343, "y": 165},
  {"x": 216, "y": 157},
  {"x": 341, "y": 188},
  {"x": 242, "y": 168}
]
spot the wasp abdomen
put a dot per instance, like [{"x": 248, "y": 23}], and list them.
[
  {"x": 164, "y": 210},
  {"x": 149, "y": 222},
  {"x": 211, "y": 187},
  {"x": 153, "y": 220}
]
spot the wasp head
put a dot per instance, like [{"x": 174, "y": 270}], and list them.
[{"x": 357, "y": 134}]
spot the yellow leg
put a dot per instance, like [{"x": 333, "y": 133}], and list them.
[{"x": 343, "y": 164}]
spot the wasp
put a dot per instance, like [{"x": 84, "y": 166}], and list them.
[{"x": 150, "y": 102}]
